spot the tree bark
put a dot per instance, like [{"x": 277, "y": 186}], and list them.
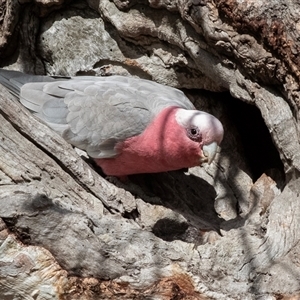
[{"x": 225, "y": 231}]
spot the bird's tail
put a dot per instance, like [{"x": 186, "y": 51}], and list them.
[{"x": 14, "y": 80}]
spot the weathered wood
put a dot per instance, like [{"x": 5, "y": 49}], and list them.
[{"x": 210, "y": 233}]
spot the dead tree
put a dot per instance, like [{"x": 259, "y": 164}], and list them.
[{"x": 226, "y": 231}]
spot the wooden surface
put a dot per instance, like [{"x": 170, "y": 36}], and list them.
[{"x": 225, "y": 231}]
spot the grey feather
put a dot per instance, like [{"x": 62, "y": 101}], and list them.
[{"x": 93, "y": 113}]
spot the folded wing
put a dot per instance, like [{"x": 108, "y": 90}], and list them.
[{"x": 93, "y": 113}]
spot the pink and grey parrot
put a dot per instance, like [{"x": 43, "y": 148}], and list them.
[{"x": 127, "y": 125}]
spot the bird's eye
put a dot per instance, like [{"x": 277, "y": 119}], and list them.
[
  {"x": 193, "y": 131},
  {"x": 194, "y": 134}
]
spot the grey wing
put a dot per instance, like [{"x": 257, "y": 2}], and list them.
[
  {"x": 95, "y": 113},
  {"x": 159, "y": 96},
  {"x": 99, "y": 122},
  {"x": 90, "y": 116}
]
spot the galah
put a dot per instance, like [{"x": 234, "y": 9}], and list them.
[{"x": 127, "y": 125}]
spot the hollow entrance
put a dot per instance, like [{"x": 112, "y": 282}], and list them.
[{"x": 260, "y": 153}]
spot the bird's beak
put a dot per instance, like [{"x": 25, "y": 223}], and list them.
[{"x": 210, "y": 151}]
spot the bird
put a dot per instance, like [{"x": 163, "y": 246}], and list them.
[{"x": 128, "y": 125}]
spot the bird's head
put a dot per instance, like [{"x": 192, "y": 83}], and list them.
[{"x": 202, "y": 128}]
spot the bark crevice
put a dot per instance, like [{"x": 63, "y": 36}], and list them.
[{"x": 225, "y": 231}]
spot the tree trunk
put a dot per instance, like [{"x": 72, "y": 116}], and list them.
[{"x": 230, "y": 230}]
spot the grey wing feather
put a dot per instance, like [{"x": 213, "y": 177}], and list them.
[
  {"x": 101, "y": 122},
  {"x": 94, "y": 113}
]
